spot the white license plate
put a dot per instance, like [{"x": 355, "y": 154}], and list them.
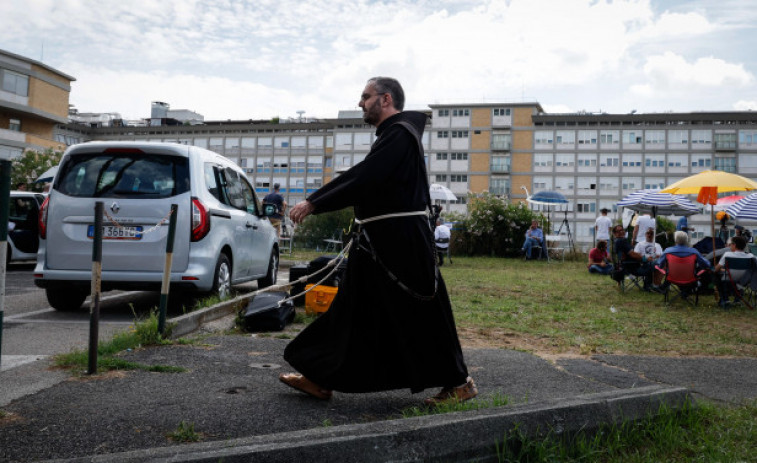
[{"x": 111, "y": 232}]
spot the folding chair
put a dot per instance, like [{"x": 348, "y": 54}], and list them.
[
  {"x": 334, "y": 242},
  {"x": 742, "y": 273},
  {"x": 632, "y": 274},
  {"x": 681, "y": 278}
]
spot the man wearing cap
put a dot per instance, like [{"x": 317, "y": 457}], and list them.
[
  {"x": 602, "y": 226},
  {"x": 275, "y": 198}
]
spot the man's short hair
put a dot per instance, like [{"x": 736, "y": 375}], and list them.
[
  {"x": 391, "y": 86},
  {"x": 681, "y": 238},
  {"x": 604, "y": 210},
  {"x": 617, "y": 228},
  {"x": 276, "y": 186},
  {"x": 740, "y": 242}
]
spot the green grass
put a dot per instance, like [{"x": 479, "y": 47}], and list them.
[
  {"x": 185, "y": 432},
  {"x": 142, "y": 333},
  {"x": 561, "y": 308},
  {"x": 705, "y": 433},
  {"x": 496, "y": 400}
]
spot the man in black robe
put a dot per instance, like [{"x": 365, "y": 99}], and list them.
[{"x": 390, "y": 325}]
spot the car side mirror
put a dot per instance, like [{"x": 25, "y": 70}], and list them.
[{"x": 269, "y": 210}]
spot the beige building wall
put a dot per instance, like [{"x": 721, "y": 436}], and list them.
[
  {"x": 479, "y": 162},
  {"x": 48, "y": 98},
  {"x": 481, "y": 141},
  {"x": 481, "y": 117},
  {"x": 522, "y": 117},
  {"x": 479, "y": 183}
]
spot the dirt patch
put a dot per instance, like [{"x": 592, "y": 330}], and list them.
[{"x": 493, "y": 338}]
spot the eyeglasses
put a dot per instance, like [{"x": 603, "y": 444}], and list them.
[{"x": 366, "y": 97}]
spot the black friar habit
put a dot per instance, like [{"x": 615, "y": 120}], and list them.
[{"x": 377, "y": 336}]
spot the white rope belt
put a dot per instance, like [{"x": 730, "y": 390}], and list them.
[{"x": 389, "y": 216}]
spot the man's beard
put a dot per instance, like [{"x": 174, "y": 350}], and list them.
[{"x": 371, "y": 114}]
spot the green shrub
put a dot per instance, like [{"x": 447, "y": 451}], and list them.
[
  {"x": 493, "y": 227},
  {"x": 316, "y": 228}
]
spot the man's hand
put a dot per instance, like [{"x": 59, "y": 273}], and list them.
[{"x": 300, "y": 211}]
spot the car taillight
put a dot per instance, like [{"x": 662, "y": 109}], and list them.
[
  {"x": 200, "y": 220},
  {"x": 43, "y": 218}
]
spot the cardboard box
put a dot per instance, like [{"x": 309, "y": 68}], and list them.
[{"x": 319, "y": 299}]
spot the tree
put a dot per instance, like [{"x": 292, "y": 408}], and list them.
[{"x": 30, "y": 165}]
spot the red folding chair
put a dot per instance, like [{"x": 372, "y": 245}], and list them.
[{"x": 681, "y": 277}]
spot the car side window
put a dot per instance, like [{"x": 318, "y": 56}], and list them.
[
  {"x": 213, "y": 181},
  {"x": 234, "y": 190},
  {"x": 250, "y": 199}
]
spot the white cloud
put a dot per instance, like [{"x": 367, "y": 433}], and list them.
[
  {"x": 743, "y": 105},
  {"x": 262, "y": 58}
]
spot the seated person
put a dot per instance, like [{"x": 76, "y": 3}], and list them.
[
  {"x": 534, "y": 238},
  {"x": 628, "y": 259},
  {"x": 649, "y": 251},
  {"x": 442, "y": 236},
  {"x": 599, "y": 259},
  {"x": 737, "y": 246},
  {"x": 682, "y": 249}
]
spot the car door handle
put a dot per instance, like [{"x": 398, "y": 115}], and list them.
[{"x": 249, "y": 225}]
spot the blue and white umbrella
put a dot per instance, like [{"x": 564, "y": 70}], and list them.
[
  {"x": 547, "y": 198},
  {"x": 744, "y": 209},
  {"x": 655, "y": 203}
]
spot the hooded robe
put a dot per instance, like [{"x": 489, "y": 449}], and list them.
[{"x": 376, "y": 335}]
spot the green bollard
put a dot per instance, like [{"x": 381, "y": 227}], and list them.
[
  {"x": 94, "y": 305},
  {"x": 167, "y": 270},
  {"x": 5, "y": 189}
]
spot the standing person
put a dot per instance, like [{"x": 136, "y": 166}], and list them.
[
  {"x": 442, "y": 235},
  {"x": 602, "y": 226},
  {"x": 683, "y": 224},
  {"x": 275, "y": 198},
  {"x": 644, "y": 223},
  {"x": 534, "y": 238},
  {"x": 390, "y": 325}
]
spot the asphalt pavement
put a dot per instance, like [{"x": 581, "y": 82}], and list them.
[{"x": 229, "y": 396}]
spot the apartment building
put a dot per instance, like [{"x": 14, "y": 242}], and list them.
[
  {"x": 502, "y": 148},
  {"x": 33, "y": 100}
]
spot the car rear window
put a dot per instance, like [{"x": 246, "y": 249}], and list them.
[{"x": 124, "y": 175}]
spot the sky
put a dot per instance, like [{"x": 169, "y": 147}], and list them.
[{"x": 259, "y": 59}]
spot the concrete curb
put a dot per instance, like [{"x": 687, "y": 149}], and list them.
[{"x": 461, "y": 436}]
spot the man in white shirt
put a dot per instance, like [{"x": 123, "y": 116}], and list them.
[
  {"x": 442, "y": 236},
  {"x": 602, "y": 226},
  {"x": 650, "y": 252},
  {"x": 645, "y": 222},
  {"x": 737, "y": 246}
]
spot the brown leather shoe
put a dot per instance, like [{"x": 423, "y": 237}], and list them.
[
  {"x": 303, "y": 384},
  {"x": 450, "y": 395}
]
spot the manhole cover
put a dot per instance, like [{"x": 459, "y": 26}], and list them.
[{"x": 264, "y": 366}]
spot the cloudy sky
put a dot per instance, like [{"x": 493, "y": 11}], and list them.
[{"x": 257, "y": 59}]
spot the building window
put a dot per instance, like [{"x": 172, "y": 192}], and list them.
[
  {"x": 703, "y": 137},
  {"x": 543, "y": 160},
  {"x": 631, "y": 137},
  {"x": 501, "y": 111},
  {"x": 609, "y": 137},
  {"x": 440, "y": 178},
  {"x": 15, "y": 83},
  {"x": 458, "y": 178},
  {"x": 499, "y": 186},
  {"x": 609, "y": 161},
  {"x": 443, "y": 113},
  {"x": 15, "y": 125},
  {"x": 586, "y": 207},
  {"x": 565, "y": 137},
  {"x": 725, "y": 164},
  {"x": 543, "y": 137},
  {"x": 587, "y": 137},
  {"x": 679, "y": 137},
  {"x": 459, "y": 134},
  {"x": 459, "y": 156},
  {"x": 654, "y": 137},
  {"x": 441, "y": 156},
  {"x": 442, "y": 134},
  {"x": 460, "y": 112}
]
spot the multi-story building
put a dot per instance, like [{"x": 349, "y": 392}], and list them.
[
  {"x": 504, "y": 148},
  {"x": 33, "y": 100}
]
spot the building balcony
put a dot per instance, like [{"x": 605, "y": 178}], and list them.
[
  {"x": 500, "y": 168},
  {"x": 500, "y": 146},
  {"x": 500, "y": 191},
  {"x": 725, "y": 145},
  {"x": 12, "y": 135}
]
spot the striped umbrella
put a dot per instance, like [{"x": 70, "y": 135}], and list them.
[
  {"x": 744, "y": 209},
  {"x": 655, "y": 203}
]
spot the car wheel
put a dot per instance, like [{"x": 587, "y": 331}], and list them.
[
  {"x": 222, "y": 278},
  {"x": 66, "y": 300},
  {"x": 273, "y": 271}
]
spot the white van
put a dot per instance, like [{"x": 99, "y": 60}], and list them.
[{"x": 223, "y": 237}]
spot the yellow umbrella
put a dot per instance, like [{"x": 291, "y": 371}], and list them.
[{"x": 706, "y": 185}]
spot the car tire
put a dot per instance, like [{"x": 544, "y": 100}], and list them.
[
  {"x": 66, "y": 299},
  {"x": 222, "y": 278},
  {"x": 273, "y": 271}
]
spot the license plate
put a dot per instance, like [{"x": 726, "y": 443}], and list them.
[{"x": 117, "y": 233}]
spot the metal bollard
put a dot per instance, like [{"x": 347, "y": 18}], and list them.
[
  {"x": 167, "y": 270},
  {"x": 94, "y": 304},
  {"x": 5, "y": 186}
]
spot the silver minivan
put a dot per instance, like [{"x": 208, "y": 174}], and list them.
[{"x": 223, "y": 237}]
